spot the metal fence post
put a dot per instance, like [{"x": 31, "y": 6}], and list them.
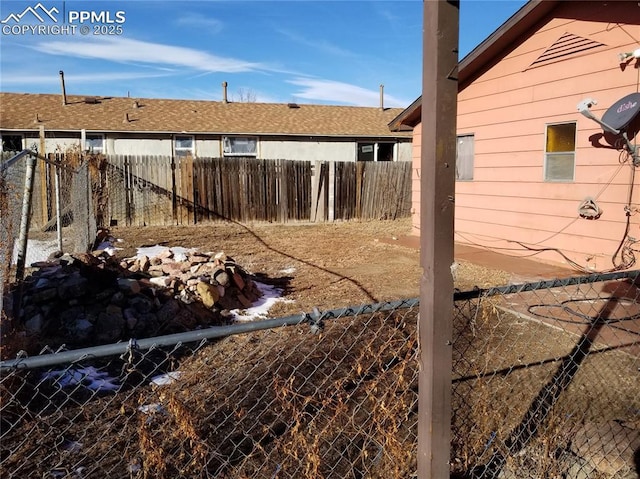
[
  {"x": 26, "y": 216},
  {"x": 58, "y": 207},
  {"x": 439, "y": 97}
]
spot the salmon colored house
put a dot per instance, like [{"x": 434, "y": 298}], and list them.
[{"x": 535, "y": 177}]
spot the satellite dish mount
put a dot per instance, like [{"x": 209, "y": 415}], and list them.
[{"x": 616, "y": 119}]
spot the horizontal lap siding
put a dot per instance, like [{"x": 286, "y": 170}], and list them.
[
  {"x": 542, "y": 221},
  {"x": 415, "y": 179},
  {"x": 589, "y": 252},
  {"x": 507, "y": 109}
]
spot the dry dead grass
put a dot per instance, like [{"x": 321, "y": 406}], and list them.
[{"x": 286, "y": 403}]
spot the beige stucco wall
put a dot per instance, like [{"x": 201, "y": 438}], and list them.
[
  {"x": 307, "y": 150},
  {"x": 508, "y": 207},
  {"x": 138, "y": 144}
]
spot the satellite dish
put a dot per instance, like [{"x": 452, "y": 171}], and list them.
[
  {"x": 622, "y": 112},
  {"x": 616, "y": 119}
]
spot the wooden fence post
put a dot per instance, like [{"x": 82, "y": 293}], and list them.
[
  {"x": 439, "y": 109},
  {"x": 317, "y": 193},
  {"x": 332, "y": 193}
]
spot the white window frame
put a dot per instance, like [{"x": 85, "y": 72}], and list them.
[
  {"x": 2, "y": 136},
  {"x": 465, "y": 172},
  {"x": 228, "y": 143},
  {"x": 548, "y": 156},
  {"x": 88, "y": 146},
  {"x": 181, "y": 150}
]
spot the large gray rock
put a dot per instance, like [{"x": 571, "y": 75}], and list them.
[
  {"x": 43, "y": 295},
  {"x": 74, "y": 286},
  {"x": 33, "y": 325},
  {"x": 109, "y": 326},
  {"x": 129, "y": 286}
]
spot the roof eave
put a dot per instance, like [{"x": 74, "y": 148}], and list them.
[
  {"x": 507, "y": 34},
  {"x": 410, "y": 117},
  {"x": 399, "y": 135}
]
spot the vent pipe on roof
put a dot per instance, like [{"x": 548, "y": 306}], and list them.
[
  {"x": 224, "y": 92},
  {"x": 382, "y": 97},
  {"x": 64, "y": 92}
]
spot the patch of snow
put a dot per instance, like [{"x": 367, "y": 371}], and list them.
[
  {"x": 72, "y": 446},
  {"x": 151, "y": 408},
  {"x": 270, "y": 296},
  {"x": 167, "y": 378},
  {"x": 289, "y": 270},
  {"x": 37, "y": 250},
  {"x": 88, "y": 377},
  {"x": 108, "y": 247}
]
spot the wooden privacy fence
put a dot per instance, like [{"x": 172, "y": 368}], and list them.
[{"x": 138, "y": 190}]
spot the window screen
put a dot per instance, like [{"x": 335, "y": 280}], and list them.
[
  {"x": 464, "y": 157},
  {"x": 183, "y": 145},
  {"x": 94, "y": 143},
  {"x": 240, "y": 146}
]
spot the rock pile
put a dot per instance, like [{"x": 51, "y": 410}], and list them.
[{"x": 91, "y": 298}]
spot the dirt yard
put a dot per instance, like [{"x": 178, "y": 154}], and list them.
[
  {"x": 343, "y": 403},
  {"x": 326, "y": 266}
]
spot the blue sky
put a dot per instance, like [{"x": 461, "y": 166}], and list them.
[{"x": 325, "y": 52}]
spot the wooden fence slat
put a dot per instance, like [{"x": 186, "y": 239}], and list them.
[{"x": 146, "y": 190}]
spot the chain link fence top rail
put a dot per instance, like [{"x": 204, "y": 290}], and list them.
[{"x": 545, "y": 385}]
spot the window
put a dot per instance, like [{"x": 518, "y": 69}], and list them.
[
  {"x": 183, "y": 145},
  {"x": 94, "y": 143},
  {"x": 375, "y": 152},
  {"x": 560, "y": 152},
  {"x": 385, "y": 152},
  {"x": 11, "y": 142},
  {"x": 239, "y": 146},
  {"x": 366, "y": 151},
  {"x": 464, "y": 157}
]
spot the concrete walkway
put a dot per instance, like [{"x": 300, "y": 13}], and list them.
[{"x": 524, "y": 268}]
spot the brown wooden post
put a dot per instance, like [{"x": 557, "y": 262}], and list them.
[{"x": 439, "y": 98}]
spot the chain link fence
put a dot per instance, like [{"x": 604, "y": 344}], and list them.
[
  {"x": 11, "y": 191},
  {"x": 546, "y": 380},
  {"x": 61, "y": 192},
  {"x": 44, "y": 209},
  {"x": 545, "y": 384},
  {"x": 332, "y": 395}
]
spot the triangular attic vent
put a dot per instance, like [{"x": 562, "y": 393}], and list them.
[{"x": 564, "y": 47}]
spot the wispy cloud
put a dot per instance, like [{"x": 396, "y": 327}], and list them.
[
  {"x": 321, "y": 45},
  {"x": 209, "y": 24},
  {"x": 93, "y": 77},
  {"x": 334, "y": 91},
  {"x": 124, "y": 50}
]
